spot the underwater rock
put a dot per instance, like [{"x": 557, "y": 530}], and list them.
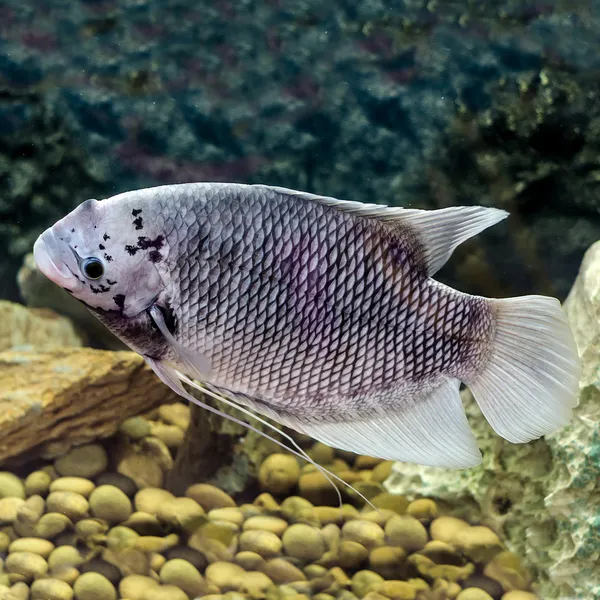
[
  {"x": 52, "y": 401},
  {"x": 542, "y": 497},
  {"x": 39, "y": 328}
]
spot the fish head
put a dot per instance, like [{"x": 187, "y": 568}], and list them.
[{"x": 107, "y": 255}]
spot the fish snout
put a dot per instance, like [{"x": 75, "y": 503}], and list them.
[{"x": 47, "y": 256}]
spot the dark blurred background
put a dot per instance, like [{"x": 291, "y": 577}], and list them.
[{"x": 410, "y": 103}]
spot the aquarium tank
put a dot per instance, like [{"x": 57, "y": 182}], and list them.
[{"x": 299, "y": 300}]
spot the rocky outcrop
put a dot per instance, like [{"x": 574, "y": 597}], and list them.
[
  {"x": 543, "y": 497},
  {"x": 53, "y": 400}
]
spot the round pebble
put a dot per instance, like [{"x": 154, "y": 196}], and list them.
[
  {"x": 72, "y": 505},
  {"x": 399, "y": 590},
  {"x": 266, "y": 523},
  {"x": 254, "y": 583},
  {"x": 519, "y": 595},
  {"x": 78, "y": 485},
  {"x": 151, "y": 499},
  {"x": 124, "y": 483},
  {"x": 265, "y": 543},
  {"x": 175, "y": 414},
  {"x": 94, "y": 586},
  {"x": 386, "y": 560},
  {"x": 9, "y": 507},
  {"x": 423, "y": 509},
  {"x": 365, "y": 533},
  {"x": 223, "y": 574},
  {"x": 365, "y": 581},
  {"x": 51, "y": 589},
  {"x": 389, "y": 501},
  {"x": 195, "y": 558},
  {"x": 473, "y": 594},
  {"x": 303, "y": 542},
  {"x": 231, "y": 515},
  {"x": 209, "y": 496},
  {"x": 143, "y": 470},
  {"x": 29, "y": 565},
  {"x": 85, "y": 461},
  {"x": 171, "y": 435},
  {"x": 52, "y": 524},
  {"x": 184, "y": 512},
  {"x": 279, "y": 473},
  {"x": 110, "y": 504},
  {"x": 406, "y": 532},
  {"x": 11, "y": 486},
  {"x": 37, "y": 546},
  {"x": 447, "y": 529},
  {"x": 281, "y": 571},
  {"x": 182, "y": 574},
  {"x": 166, "y": 592},
  {"x": 136, "y": 587},
  {"x": 38, "y": 482},
  {"x": 250, "y": 561},
  {"x": 351, "y": 555},
  {"x": 479, "y": 544},
  {"x": 135, "y": 428},
  {"x": 64, "y": 556}
]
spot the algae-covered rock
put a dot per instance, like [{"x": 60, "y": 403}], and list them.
[
  {"x": 51, "y": 401},
  {"x": 542, "y": 496}
]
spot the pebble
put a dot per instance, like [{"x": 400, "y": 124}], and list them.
[
  {"x": 151, "y": 499},
  {"x": 292, "y": 506},
  {"x": 94, "y": 586},
  {"x": 195, "y": 558},
  {"x": 265, "y": 543},
  {"x": 51, "y": 589},
  {"x": 4, "y": 541},
  {"x": 209, "y": 496},
  {"x": 64, "y": 556},
  {"x": 364, "y": 582},
  {"x": 506, "y": 569},
  {"x": 382, "y": 471},
  {"x": 264, "y": 501},
  {"x": 479, "y": 544},
  {"x": 175, "y": 414},
  {"x": 186, "y": 513},
  {"x": 386, "y": 560},
  {"x": 351, "y": 555},
  {"x": 142, "y": 469},
  {"x": 136, "y": 587},
  {"x": 394, "y": 502},
  {"x": 365, "y": 533},
  {"x": 254, "y": 583},
  {"x": 153, "y": 543},
  {"x": 37, "y": 546},
  {"x": 250, "y": 561},
  {"x": 9, "y": 507},
  {"x": 328, "y": 514},
  {"x": 282, "y": 571},
  {"x": 109, "y": 503},
  {"x": 165, "y": 592},
  {"x": 321, "y": 453},
  {"x": 519, "y": 595},
  {"x": 279, "y": 473},
  {"x": 223, "y": 574},
  {"x": 103, "y": 567},
  {"x": 303, "y": 542},
  {"x": 135, "y": 428},
  {"x": 399, "y": 590},
  {"x": 72, "y": 505},
  {"x": 87, "y": 528},
  {"x": 38, "y": 482},
  {"x": 78, "y": 485},
  {"x": 29, "y": 565},
  {"x": 316, "y": 488},
  {"x": 124, "y": 483},
  {"x": 473, "y": 594},
  {"x": 229, "y": 514},
  {"x": 265, "y": 523},
  {"x": 11, "y": 486},
  {"x": 406, "y": 532},
  {"x": 447, "y": 529},
  {"x": 52, "y": 524},
  {"x": 182, "y": 574},
  {"x": 423, "y": 509},
  {"x": 144, "y": 523},
  {"x": 84, "y": 461},
  {"x": 171, "y": 435}
]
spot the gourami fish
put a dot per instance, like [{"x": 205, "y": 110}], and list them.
[{"x": 319, "y": 313}]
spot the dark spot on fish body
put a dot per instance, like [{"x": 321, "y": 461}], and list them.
[
  {"x": 155, "y": 256},
  {"x": 101, "y": 247},
  {"x": 138, "y": 223},
  {"x": 111, "y": 282},
  {"x": 144, "y": 243},
  {"x": 108, "y": 257},
  {"x": 72, "y": 230},
  {"x": 106, "y": 237},
  {"x": 101, "y": 289},
  {"x": 131, "y": 250},
  {"x": 136, "y": 211},
  {"x": 119, "y": 300}
]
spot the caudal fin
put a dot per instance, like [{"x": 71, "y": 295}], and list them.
[{"x": 531, "y": 383}]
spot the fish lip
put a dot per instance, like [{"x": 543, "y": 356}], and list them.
[{"x": 45, "y": 249}]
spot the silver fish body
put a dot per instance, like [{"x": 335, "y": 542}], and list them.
[{"x": 319, "y": 313}]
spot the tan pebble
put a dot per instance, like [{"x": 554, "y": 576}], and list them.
[
  {"x": 282, "y": 571},
  {"x": 72, "y": 505},
  {"x": 368, "y": 489},
  {"x": 86, "y": 528},
  {"x": 67, "y": 574},
  {"x": 9, "y": 507},
  {"x": 64, "y": 556},
  {"x": 51, "y": 589},
  {"x": 367, "y": 534},
  {"x": 398, "y": 590},
  {"x": 20, "y": 591},
  {"x": 316, "y": 488},
  {"x": 151, "y": 499},
  {"x": 135, "y": 428},
  {"x": 382, "y": 471},
  {"x": 171, "y": 435},
  {"x": 52, "y": 524},
  {"x": 135, "y": 587},
  {"x": 29, "y": 565},
  {"x": 352, "y": 555},
  {"x": 406, "y": 532},
  {"x": 340, "y": 576},
  {"x": 182, "y": 574},
  {"x": 364, "y": 582},
  {"x": 447, "y": 529},
  {"x": 84, "y": 461},
  {"x": 175, "y": 414},
  {"x": 34, "y": 545},
  {"x": 266, "y": 523},
  {"x": 124, "y": 483},
  {"x": 366, "y": 462},
  {"x": 263, "y": 502},
  {"x": 379, "y": 516},
  {"x": 519, "y": 595},
  {"x": 94, "y": 586},
  {"x": 152, "y": 543},
  {"x": 321, "y": 453},
  {"x": 37, "y": 483},
  {"x": 278, "y": 473},
  {"x": 233, "y": 515},
  {"x": 442, "y": 553},
  {"x": 120, "y": 537},
  {"x": 303, "y": 542},
  {"x": 195, "y": 558},
  {"x": 323, "y": 596},
  {"x": 389, "y": 501},
  {"x": 11, "y": 486},
  {"x": 250, "y": 561},
  {"x": 183, "y": 512},
  {"x": 374, "y": 596},
  {"x": 479, "y": 544},
  {"x": 223, "y": 574},
  {"x": 265, "y": 543},
  {"x": 506, "y": 569},
  {"x": 292, "y": 505},
  {"x": 110, "y": 504},
  {"x": 159, "y": 451},
  {"x": 332, "y": 535},
  {"x": 78, "y": 485},
  {"x": 142, "y": 469},
  {"x": 386, "y": 560},
  {"x": 473, "y": 594},
  {"x": 301, "y": 587},
  {"x": 328, "y": 514},
  {"x": 314, "y": 571},
  {"x": 254, "y": 583},
  {"x": 157, "y": 561},
  {"x": 144, "y": 523},
  {"x": 4, "y": 541},
  {"x": 212, "y": 548},
  {"x": 98, "y": 565},
  {"x": 209, "y": 496},
  {"x": 166, "y": 592},
  {"x": 423, "y": 509}
]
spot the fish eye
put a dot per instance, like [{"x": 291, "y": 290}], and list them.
[{"x": 92, "y": 268}]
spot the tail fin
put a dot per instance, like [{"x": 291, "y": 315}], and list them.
[{"x": 531, "y": 383}]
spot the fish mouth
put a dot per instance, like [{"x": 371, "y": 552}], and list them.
[{"x": 45, "y": 249}]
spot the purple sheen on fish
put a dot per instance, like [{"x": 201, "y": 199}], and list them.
[{"x": 319, "y": 313}]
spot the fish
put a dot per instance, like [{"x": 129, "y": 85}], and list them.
[{"x": 320, "y": 314}]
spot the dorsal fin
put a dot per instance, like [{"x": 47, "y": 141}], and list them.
[{"x": 438, "y": 232}]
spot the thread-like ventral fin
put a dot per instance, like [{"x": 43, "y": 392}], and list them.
[{"x": 438, "y": 232}]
